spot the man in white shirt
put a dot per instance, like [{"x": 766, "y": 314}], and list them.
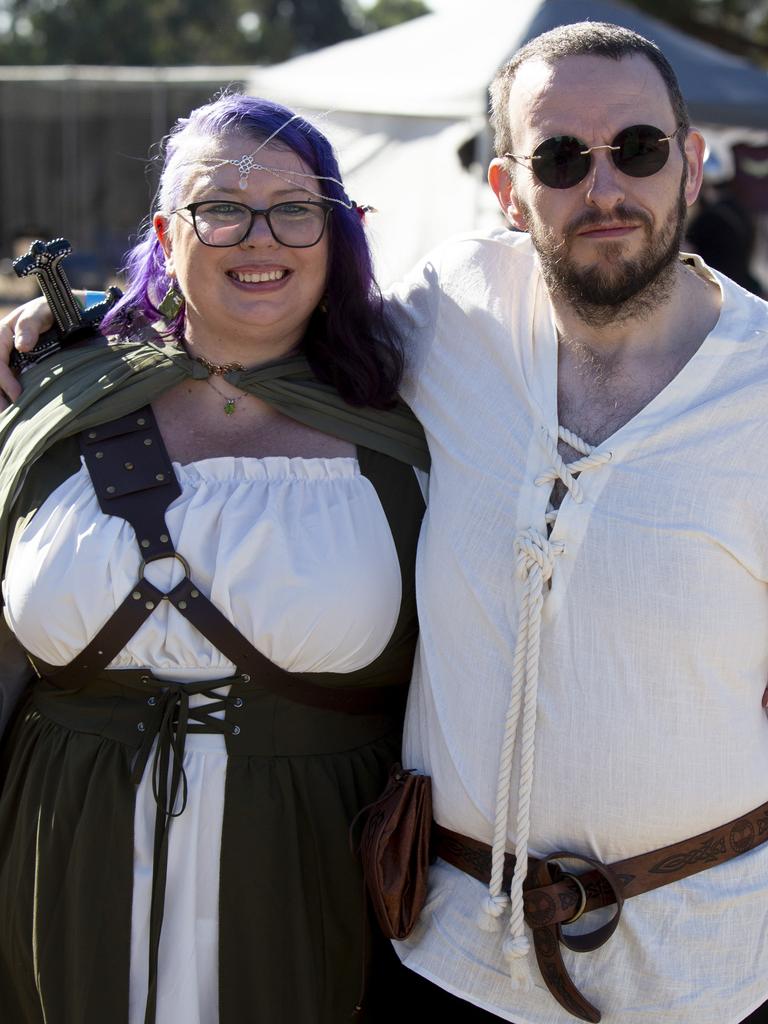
[{"x": 593, "y": 571}]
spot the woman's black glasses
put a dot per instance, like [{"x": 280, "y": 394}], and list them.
[
  {"x": 219, "y": 223},
  {"x": 564, "y": 161}
]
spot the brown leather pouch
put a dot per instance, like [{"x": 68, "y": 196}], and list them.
[{"x": 395, "y": 851}]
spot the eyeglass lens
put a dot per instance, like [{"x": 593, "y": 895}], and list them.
[
  {"x": 298, "y": 225},
  {"x": 561, "y": 162}
]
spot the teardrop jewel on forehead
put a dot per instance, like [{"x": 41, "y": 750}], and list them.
[{"x": 245, "y": 164}]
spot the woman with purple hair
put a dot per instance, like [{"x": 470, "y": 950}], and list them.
[{"x": 210, "y": 528}]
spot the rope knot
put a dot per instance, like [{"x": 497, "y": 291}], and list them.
[
  {"x": 491, "y": 911},
  {"x": 534, "y": 549},
  {"x": 516, "y": 947}
]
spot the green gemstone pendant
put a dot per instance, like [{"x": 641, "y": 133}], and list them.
[{"x": 229, "y": 406}]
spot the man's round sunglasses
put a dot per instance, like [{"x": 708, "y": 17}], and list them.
[
  {"x": 219, "y": 223},
  {"x": 564, "y": 161}
]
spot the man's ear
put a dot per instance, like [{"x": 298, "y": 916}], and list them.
[
  {"x": 695, "y": 148},
  {"x": 501, "y": 182}
]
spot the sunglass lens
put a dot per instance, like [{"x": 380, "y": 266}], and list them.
[
  {"x": 643, "y": 150},
  {"x": 559, "y": 163}
]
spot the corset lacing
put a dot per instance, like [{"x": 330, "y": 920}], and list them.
[
  {"x": 535, "y": 555},
  {"x": 169, "y": 784}
]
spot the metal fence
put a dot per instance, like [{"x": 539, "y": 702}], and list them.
[{"x": 75, "y": 149}]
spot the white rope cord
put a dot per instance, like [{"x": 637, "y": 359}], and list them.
[
  {"x": 536, "y": 556},
  {"x": 573, "y": 440},
  {"x": 559, "y": 470},
  {"x": 535, "y": 559},
  {"x": 567, "y": 472}
]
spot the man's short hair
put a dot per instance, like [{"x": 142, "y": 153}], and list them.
[{"x": 584, "y": 39}]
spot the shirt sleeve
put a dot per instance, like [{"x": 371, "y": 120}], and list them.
[{"x": 413, "y": 305}]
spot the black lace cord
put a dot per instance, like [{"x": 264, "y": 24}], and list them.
[
  {"x": 176, "y": 721},
  {"x": 169, "y": 752}
]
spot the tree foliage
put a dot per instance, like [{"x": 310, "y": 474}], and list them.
[
  {"x": 387, "y": 13},
  {"x": 160, "y": 32},
  {"x": 740, "y": 26}
]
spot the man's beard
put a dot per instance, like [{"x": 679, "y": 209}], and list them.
[{"x": 627, "y": 288}]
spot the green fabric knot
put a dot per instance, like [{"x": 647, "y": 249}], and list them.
[{"x": 88, "y": 385}]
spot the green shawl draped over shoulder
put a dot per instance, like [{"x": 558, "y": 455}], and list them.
[{"x": 85, "y": 386}]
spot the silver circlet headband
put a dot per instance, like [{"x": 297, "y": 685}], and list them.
[{"x": 245, "y": 164}]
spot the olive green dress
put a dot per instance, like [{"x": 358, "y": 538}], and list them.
[{"x": 294, "y": 941}]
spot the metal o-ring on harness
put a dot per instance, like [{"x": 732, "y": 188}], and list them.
[{"x": 156, "y": 558}]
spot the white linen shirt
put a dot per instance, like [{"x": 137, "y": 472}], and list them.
[{"x": 654, "y": 638}]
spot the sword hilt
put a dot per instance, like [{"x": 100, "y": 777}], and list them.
[{"x": 43, "y": 260}]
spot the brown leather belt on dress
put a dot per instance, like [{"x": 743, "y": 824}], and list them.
[{"x": 554, "y": 897}]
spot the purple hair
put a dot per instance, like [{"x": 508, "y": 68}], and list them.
[{"x": 353, "y": 345}]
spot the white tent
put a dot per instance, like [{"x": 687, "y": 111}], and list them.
[{"x": 406, "y": 108}]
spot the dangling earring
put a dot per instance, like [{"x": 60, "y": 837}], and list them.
[
  {"x": 323, "y": 304},
  {"x": 172, "y": 303}
]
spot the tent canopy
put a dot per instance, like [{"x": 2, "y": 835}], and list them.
[
  {"x": 406, "y": 108},
  {"x": 440, "y": 65}
]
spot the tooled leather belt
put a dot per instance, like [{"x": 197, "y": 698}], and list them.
[{"x": 554, "y": 897}]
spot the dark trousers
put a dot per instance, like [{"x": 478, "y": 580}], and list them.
[{"x": 397, "y": 994}]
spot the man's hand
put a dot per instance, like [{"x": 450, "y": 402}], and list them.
[{"x": 20, "y": 329}]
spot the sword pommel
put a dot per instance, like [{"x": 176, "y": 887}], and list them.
[{"x": 43, "y": 261}]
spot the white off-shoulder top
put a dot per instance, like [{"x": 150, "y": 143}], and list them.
[{"x": 286, "y": 548}]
